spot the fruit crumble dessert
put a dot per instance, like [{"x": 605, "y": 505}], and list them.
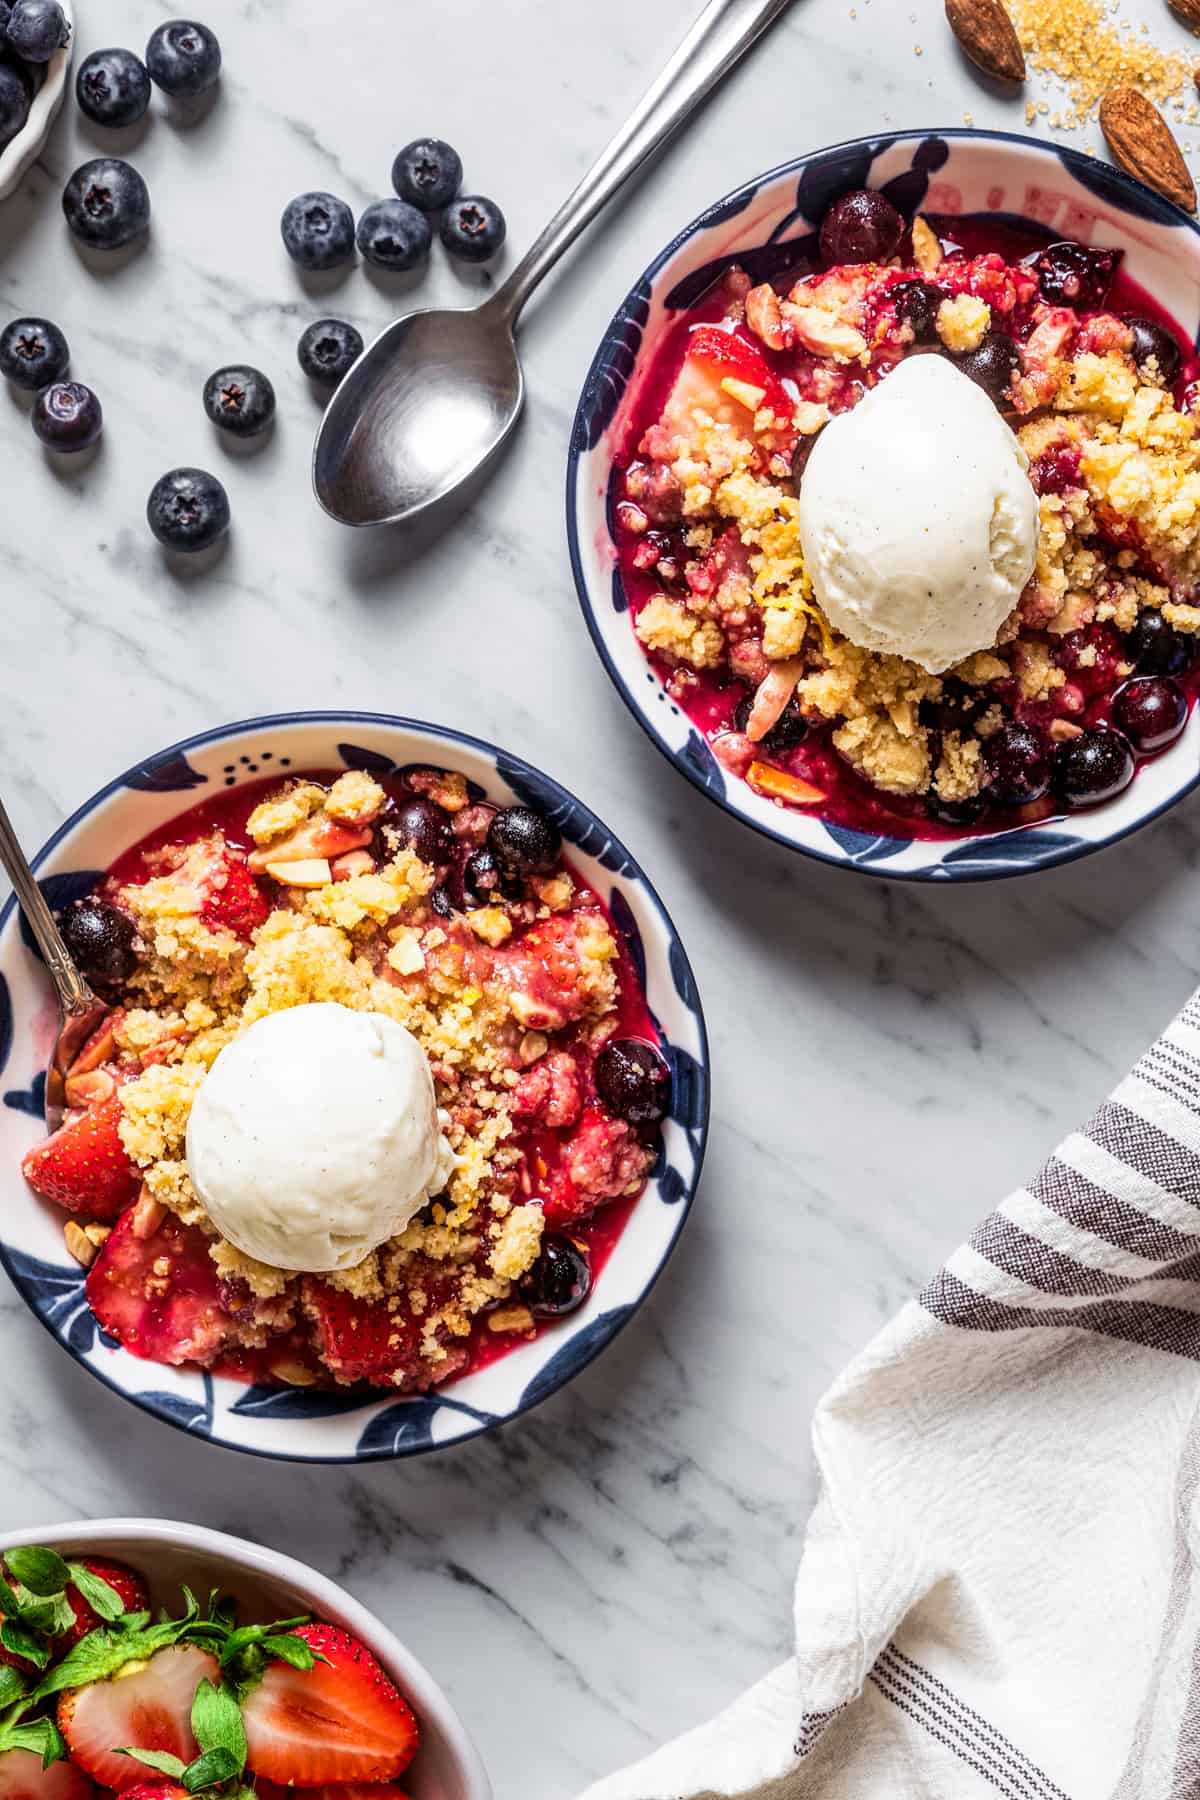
[
  {"x": 99, "y": 1694},
  {"x": 376, "y": 1093},
  {"x": 911, "y": 530}
]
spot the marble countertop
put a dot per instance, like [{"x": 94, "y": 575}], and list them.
[{"x": 887, "y": 1060}]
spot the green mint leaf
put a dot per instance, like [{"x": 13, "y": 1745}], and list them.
[
  {"x": 10, "y": 1606},
  {"x": 11, "y": 1687},
  {"x": 19, "y": 1642},
  {"x": 217, "y": 1724},
  {"x": 100, "y": 1595},
  {"x": 43, "y": 1572},
  {"x": 291, "y": 1650},
  {"x": 162, "y": 1760},
  {"x": 209, "y": 1770}
]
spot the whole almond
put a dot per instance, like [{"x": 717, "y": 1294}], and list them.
[
  {"x": 1188, "y": 10},
  {"x": 989, "y": 37},
  {"x": 1141, "y": 142}
]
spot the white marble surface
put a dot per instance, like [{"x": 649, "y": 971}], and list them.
[{"x": 887, "y": 1060}]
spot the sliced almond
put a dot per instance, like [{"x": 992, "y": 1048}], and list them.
[
  {"x": 744, "y": 392},
  {"x": 988, "y": 36},
  {"x": 511, "y": 1318},
  {"x": 1142, "y": 144},
  {"x": 824, "y": 333},
  {"x": 772, "y": 695},
  {"x": 779, "y": 785},
  {"x": 79, "y": 1244},
  {"x": 927, "y": 246},
  {"x": 314, "y": 872}
]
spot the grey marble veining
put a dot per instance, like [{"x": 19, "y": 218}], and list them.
[{"x": 888, "y": 1061}]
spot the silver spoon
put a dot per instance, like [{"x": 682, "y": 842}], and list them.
[
  {"x": 435, "y": 396},
  {"x": 80, "y": 1011}
]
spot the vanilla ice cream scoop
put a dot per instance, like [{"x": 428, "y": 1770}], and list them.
[
  {"x": 917, "y": 518},
  {"x": 315, "y": 1137}
]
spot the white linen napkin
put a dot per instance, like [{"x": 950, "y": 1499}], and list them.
[{"x": 999, "y": 1588}]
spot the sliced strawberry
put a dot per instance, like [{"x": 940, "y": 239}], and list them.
[
  {"x": 160, "y": 1295},
  {"x": 342, "y": 1721},
  {"x": 359, "y": 1340},
  {"x": 157, "y": 1790},
  {"x": 147, "y": 1706},
  {"x": 234, "y": 901},
  {"x": 128, "y": 1586},
  {"x": 550, "y": 1091},
  {"x": 602, "y": 1159},
  {"x": 320, "y": 837},
  {"x": 84, "y": 1165},
  {"x": 714, "y": 355},
  {"x": 22, "y": 1777},
  {"x": 550, "y": 971}
]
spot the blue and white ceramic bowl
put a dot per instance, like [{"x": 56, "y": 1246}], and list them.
[
  {"x": 1012, "y": 179},
  {"x": 303, "y": 1424}
]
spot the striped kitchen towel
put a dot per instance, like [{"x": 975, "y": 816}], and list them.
[{"x": 999, "y": 1589}]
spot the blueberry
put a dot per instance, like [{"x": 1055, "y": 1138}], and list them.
[
  {"x": 184, "y": 59},
  {"x": 36, "y": 29},
  {"x": 917, "y": 304},
  {"x": 1092, "y": 767},
  {"x": 1017, "y": 767},
  {"x": 473, "y": 228},
  {"x": 318, "y": 230},
  {"x": 239, "y": 399},
  {"x": 427, "y": 173},
  {"x": 1150, "y": 711},
  {"x": 112, "y": 87},
  {"x": 861, "y": 227},
  {"x": 523, "y": 841},
  {"x": 188, "y": 509},
  {"x": 67, "y": 416},
  {"x": 633, "y": 1081},
  {"x": 967, "y": 811},
  {"x": 800, "y": 456},
  {"x": 425, "y": 830},
  {"x": 957, "y": 707},
  {"x": 1154, "y": 345},
  {"x": 992, "y": 366},
  {"x": 33, "y": 353},
  {"x": 559, "y": 1280},
  {"x": 1156, "y": 647},
  {"x": 327, "y": 349},
  {"x": 394, "y": 235},
  {"x": 106, "y": 203},
  {"x": 1072, "y": 275},
  {"x": 788, "y": 730},
  {"x": 484, "y": 881},
  {"x": 102, "y": 941},
  {"x": 14, "y": 101}
]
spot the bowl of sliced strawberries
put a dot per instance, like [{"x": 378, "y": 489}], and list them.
[{"x": 157, "y": 1661}]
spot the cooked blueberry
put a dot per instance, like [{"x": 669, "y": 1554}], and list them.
[
  {"x": 441, "y": 902},
  {"x": 425, "y": 829},
  {"x": 800, "y": 456},
  {"x": 861, "y": 227},
  {"x": 184, "y": 58},
  {"x": 318, "y": 230},
  {"x": 473, "y": 228},
  {"x": 1073, "y": 275},
  {"x": 188, "y": 509},
  {"x": 328, "y": 349},
  {"x": 1092, "y": 767},
  {"x": 33, "y": 352},
  {"x": 106, "y": 203},
  {"x": 36, "y": 29},
  {"x": 14, "y": 101},
  {"x": 992, "y": 366},
  {"x": 67, "y": 416},
  {"x": 957, "y": 707},
  {"x": 101, "y": 940},
  {"x": 967, "y": 811},
  {"x": 239, "y": 399},
  {"x": 523, "y": 841},
  {"x": 1093, "y": 656},
  {"x": 1156, "y": 647},
  {"x": 559, "y": 1280},
  {"x": 483, "y": 880},
  {"x": 113, "y": 87},
  {"x": 1155, "y": 350},
  {"x": 427, "y": 173},
  {"x": 394, "y": 235},
  {"x": 1016, "y": 763},
  {"x": 789, "y": 728},
  {"x": 1151, "y": 711},
  {"x": 917, "y": 304},
  {"x": 633, "y": 1081}
]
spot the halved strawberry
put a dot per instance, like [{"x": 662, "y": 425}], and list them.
[
  {"x": 160, "y": 1295},
  {"x": 84, "y": 1165},
  {"x": 22, "y": 1777},
  {"x": 128, "y": 1585},
  {"x": 342, "y": 1721},
  {"x": 316, "y": 838},
  {"x": 234, "y": 901},
  {"x": 715, "y": 355},
  {"x": 358, "y": 1340},
  {"x": 146, "y": 1705}
]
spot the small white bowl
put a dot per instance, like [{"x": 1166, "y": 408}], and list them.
[
  {"x": 26, "y": 147},
  {"x": 270, "y": 1586}
]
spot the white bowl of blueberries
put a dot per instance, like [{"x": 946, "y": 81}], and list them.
[{"x": 35, "y": 53}]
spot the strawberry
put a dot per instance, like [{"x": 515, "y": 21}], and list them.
[
  {"x": 146, "y": 1705},
  {"x": 84, "y": 1166},
  {"x": 22, "y": 1777},
  {"x": 127, "y": 1584},
  {"x": 342, "y": 1721},
  {"x": 713, "y": 356},
  {"x": 342, "y": 1790},
  {"x": 234, "y": 901},
  {"x": 159, "y": 1295},
  {"x": 157, "y": 1790},
  {"x": 358, "y": 1340}
]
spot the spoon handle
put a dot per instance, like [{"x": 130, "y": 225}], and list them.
[
  {"x": 73, "y": 991},
  {"x": 722, "y": 33}
]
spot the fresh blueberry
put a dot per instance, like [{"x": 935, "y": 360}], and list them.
[
  {"x": 102, "y": 941},
  {"x": 318, "y": 230},
  {"x": 1151, "y": 711},
  {"x": 1155, "y": 350},
  {"x": 1092, "y": 767},
  {"x": 427, "y": 173},
  {"x": 184, "y": 59},
  {"x": 1016, "y": 763},
  {"x": 14, "y": 101},
  {"x": 425, "y": 830},
  {"x": 239, "y": 399},
  {"x": 1072, "y": 275},
  {"x": 188, "y": 509},
  {"x": 33, "y": 353},
  {"x": 36, "y": 29},
  {"x": 106, "y": 203},
  {"x": 633, "y": 1081},
  {"x": 394, "y": 235},
  {"x": 788, "y": 730},
  {"x": 327, "y": 349},
  {"x": 559, "y": 1280},
  {"x": 112, "y": 87},
  {"x": 67, "y": 416},
  {"x": 1156, "y": 647},
  {"x": 992, "y": 366},
  {"x": 523, "y": 841},
  {"x": 917, "y": 304},
  {"x": 861, "y": 227},
  {"x": 473, "y": 228}
]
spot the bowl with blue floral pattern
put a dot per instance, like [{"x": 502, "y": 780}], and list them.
[
  {"x": 419, "y": 885},
  {"x": 1067, "y": 292}
]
